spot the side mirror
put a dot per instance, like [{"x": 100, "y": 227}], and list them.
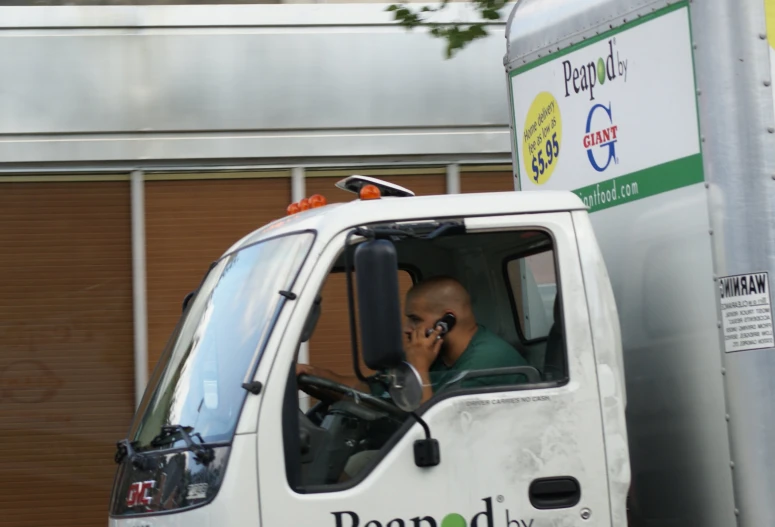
[
  {"x": 379, "y": 306},
  {"x": 405, "y": 387}
]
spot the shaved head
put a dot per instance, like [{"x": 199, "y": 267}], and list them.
[
  {"x": 431, "y": 299},
  {"x": 441, "y": 294},
  {"x": 428, "y": 301}
]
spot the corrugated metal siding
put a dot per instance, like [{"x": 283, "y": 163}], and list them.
[
  {"x": 472, "y": 182},
  {"x": 66, "y": 362}
]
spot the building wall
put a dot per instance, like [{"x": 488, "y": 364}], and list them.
[
  {"x": 158, "y": 86},
  {"x": 66, "y": 361},
  {"x": 221, "y": 135},
  {"x": 67, "y": 348}
]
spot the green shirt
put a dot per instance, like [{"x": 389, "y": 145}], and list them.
[{"x": 485, "y": 351}]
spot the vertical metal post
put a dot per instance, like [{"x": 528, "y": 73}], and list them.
[
  {"x": 139, "y": 297},
  {"x": 453, "y": 179},
  {"x": 298, "y": 189},
  {"x": 298, "y": 192}
]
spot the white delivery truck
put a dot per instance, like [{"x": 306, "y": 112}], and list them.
[
  {"x": 540, "y": 440},
  {"x": 659, "y": 115}
]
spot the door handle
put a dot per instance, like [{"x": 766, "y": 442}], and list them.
[{"x": 555, "y": 493}]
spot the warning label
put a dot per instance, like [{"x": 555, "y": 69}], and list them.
[{"x": 746, "y": 313}]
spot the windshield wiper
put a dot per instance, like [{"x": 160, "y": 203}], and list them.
[
  {"x": 124, "y": 449},
  {"x": 202, "y": 452}
]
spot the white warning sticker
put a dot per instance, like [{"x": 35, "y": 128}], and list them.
[{"x": 746, "y": 313}]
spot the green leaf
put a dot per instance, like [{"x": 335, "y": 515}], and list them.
[
  {"x": 457, "y": 36},
  {"x": 491, "y": 14}
]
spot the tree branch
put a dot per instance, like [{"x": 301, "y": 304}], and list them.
[{"x": 457, "y": 35}]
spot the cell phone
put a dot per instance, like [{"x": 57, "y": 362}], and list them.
[{"x": 447, "y": 322}]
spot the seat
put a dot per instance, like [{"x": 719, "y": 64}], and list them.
[{"x": 554, "y": 356}]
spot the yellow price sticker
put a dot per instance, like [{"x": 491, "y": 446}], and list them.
[
  {"x": 541, "y": 138},
  {"x": 769, "y": 16}
]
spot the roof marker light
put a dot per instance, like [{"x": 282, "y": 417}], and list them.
[
  {"x": 293, "y": 208},
  {"x": 317, "y": 200},
  {"x": 370, "y": 192},
  {"x": 304, "y": 204}
]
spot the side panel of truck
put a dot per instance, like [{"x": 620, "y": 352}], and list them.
[
  {"x": 660, "y": 117},
  {"x": 734, "y": 76}
]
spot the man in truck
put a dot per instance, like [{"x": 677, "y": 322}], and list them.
[{"x": 440, "y": 359}]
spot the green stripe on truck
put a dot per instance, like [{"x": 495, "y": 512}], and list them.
[{"x": 643, "y": 184}]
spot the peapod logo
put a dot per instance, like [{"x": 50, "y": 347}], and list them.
[
  {"x": 485, "y": 518},
  {"x": 600, "y": 137},
  {"x": 584, "y": 77}
]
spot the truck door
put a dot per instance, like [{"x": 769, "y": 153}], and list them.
[{"x": 519, "y": 454}]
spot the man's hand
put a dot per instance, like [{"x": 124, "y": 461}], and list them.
[{"x": 420, "y": 350}]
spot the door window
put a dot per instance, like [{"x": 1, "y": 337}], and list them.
[
  {"x": 343, "y": 434},
  {"x": 533, "y": 286},
  {"x": 330, "y": 347}
]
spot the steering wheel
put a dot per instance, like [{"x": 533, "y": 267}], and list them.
[{"x": 319, "y": 384}]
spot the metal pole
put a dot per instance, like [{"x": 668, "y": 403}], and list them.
[
  {"x": 297, "y": 184},
  {"x": 139, "y": 296},
  {"x": 298, "y": 192},
  {"x": 453, "y": 179}
]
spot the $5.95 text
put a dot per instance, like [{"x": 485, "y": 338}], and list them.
[{"x": 541, "y": 164}]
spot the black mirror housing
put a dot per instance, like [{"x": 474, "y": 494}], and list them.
[{"x": 379, "y": 305}]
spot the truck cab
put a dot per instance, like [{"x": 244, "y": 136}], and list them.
[{"x": 232, "y": 431}]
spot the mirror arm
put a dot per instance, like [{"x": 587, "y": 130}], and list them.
[
  {"x": 427, "y": 452},
  {"x": 421, "y": 422}
]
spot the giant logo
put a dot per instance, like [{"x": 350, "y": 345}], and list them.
[{"x": 601, "y": 135}]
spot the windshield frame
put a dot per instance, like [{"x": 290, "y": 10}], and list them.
[{"x": 154, "y": 383}]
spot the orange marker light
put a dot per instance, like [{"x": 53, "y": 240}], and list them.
[
  {"x": 316, "y": 201},
  {"x": 370, "y": 192},
  {"x": 304, "y": 204},
  {"x": 293, "y": 208}
]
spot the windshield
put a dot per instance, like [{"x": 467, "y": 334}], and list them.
[{"x": 198, "y": 382}]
